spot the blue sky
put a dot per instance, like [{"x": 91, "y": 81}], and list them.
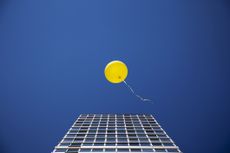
[{"x": 53, "y": 54}]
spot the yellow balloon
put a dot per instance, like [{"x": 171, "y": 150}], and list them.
[{"x": 116, "y": 71}]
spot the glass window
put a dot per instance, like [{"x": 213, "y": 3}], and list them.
[
  {"x": 87, "y": 144},
  {"x": 122, "y": 144},
  {"x": 103, "y": 124},
  {"x": 72, "y": 150},
  {"x": 65, "y": 144},
  {"x": 75, "y": 128},
  {"x": 134, "y": 144},
  {"x": 136, "y": 124},
  {"x": 75, "y": 145},
  {"x": 156, "y": 144},
  {"x": 68, "y": 139},
  {"x": 89, "y": 139},
  {"x": 111, "y": 136},
  {"x": 73, "y": 131},
  {"x": 147, "y": 150},
  {"x": 154, "y": 139},
  {"x": 90, "y": 135},
  {"x": 145, "y": 144},
  {"x": 121, "y": 131},
  {"x": 101, "y": 131},
  {"x": 168, "y": 144},
  {"x": 111, "y": 128},
  {"x": 79, "y": 139},
  {"x": 80, "y": 135},
  {"x": 122, "y": 139},
  {"x": 160, "y": 150},
  {"x": 130, "y": 128},
  {"x": 161, "y": 135},
  {"x": 110, "y": 144},
  {"x": 121, "y": 135},
  {"x": 143, "y": 139},
  {"x": 85, "y": 150},
  {"x": 135, "y": 150},
  {"x": 132, "y": 135},
  {"x": 102, "y": 128},
  {"x": 100, "y": 139},
  {"x": 92, "y": 132},
  {"x": 98, "y": 144},
  {"x": 70, "y": 135},
  {"x": 100, "y": 136},
  {"x": 110, "y": 150},
  {"x": 133, "y": 139},
  {"x": 60, "y": 150},
  {"x": 111, "y": 140},
  {"x": 120, "y": 124},
  {"x": 111, "y": 131},
  {"x": 120, "y": 128},
  {"x": 152, "y": 135},
  {"x": 122, "y": 150}
]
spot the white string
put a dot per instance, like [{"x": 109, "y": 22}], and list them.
[{"x": 138, "y": 96}]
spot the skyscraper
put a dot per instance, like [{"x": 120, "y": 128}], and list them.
[{"x": 116, "y": 133}]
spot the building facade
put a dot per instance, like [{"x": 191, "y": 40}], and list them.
[{"x": 116, "y": 133}]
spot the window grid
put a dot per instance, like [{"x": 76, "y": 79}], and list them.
[{"x": 116, "y": 133}]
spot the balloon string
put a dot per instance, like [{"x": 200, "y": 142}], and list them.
[{"x": 138, "y": 96}]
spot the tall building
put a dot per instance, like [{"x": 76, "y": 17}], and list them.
[{"x": 116, "y": 133}]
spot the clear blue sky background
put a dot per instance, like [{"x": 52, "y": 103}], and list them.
[{"x": 53, "y": 54}]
